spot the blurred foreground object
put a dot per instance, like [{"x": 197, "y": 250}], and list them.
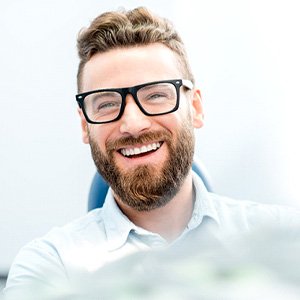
[{"x": 261, "y": 265}]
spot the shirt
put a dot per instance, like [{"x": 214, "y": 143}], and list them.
[{"x": 82, "y": 247}]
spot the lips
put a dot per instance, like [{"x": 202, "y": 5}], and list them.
[{"x": 144, "y": 149}]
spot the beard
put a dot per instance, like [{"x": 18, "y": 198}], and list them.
[{"x": 145, "y": 187}]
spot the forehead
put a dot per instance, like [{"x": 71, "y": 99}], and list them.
[{"x": 123, "y": 67}]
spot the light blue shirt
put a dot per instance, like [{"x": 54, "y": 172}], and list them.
[{"x": 82, "y": 247}]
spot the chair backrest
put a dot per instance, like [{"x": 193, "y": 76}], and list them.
[{"x": 99, "y": 186}]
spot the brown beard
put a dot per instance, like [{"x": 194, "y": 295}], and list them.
[{"x": 145, "y": 188}]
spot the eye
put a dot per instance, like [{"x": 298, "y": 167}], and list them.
[
  {"x": 155, "y": 96},
  {"x": 107, "y": 105},
  {"x": 157, "y": 93},
  {"x": 105, "y": 101}
]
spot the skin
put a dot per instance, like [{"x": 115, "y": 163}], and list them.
[{"x": 128, "y": 67}]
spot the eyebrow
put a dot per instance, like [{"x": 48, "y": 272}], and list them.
[{"x": 103, "y": 93}]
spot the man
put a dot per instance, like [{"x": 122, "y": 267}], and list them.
[{"x": 138, "y": 106}]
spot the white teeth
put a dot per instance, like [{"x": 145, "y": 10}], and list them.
[
  {"x": 143, "y": 149},
  {"x": 137, "y": 151}
]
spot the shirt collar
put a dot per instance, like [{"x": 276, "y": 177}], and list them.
[
  {"x": 203, "y": 206},
  {"x": 118, "y": 226}
]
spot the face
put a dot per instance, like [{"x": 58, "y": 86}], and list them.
[{"x": 162, "y": 145}]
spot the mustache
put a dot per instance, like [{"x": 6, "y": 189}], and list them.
[{"x": 147, "y": 137}]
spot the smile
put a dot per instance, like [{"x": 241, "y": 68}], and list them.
[{"x": 140, "y": 150}]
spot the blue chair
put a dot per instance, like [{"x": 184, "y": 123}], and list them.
[{"x": 99, "y": 186}]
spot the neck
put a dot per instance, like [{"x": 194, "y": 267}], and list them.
[{"x": 168, "y": 221}]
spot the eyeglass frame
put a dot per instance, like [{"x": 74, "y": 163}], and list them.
[{"x": 177, "y": 83}]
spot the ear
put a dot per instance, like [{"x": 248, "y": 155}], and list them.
[
  {"x": 84, "y": 127},
  {"x": 197, "y": 109}
]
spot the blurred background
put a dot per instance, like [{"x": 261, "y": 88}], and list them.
[{"x": 245, "y": 57}]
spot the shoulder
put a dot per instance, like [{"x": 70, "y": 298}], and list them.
[
  {"x": 92, "y": 223},
  {"x": 250, "y": 215},
  {"x": 87, "y": 229},
  {"x": 239, "y": 216},
  {"x": 47, "y": 261}
]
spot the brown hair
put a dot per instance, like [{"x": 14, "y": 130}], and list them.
[{"x": 130, "y": 28}]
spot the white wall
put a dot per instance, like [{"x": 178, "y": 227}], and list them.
[{"x": 245, "y": 55}]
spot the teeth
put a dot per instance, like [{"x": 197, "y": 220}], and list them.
[
  {"x": 137, "y": 151},
  {"x": 143, "y": 149}
]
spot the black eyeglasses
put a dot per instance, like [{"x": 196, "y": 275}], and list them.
[{"x": 153, "y": 99}]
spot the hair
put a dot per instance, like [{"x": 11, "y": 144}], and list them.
[{"x": 123, "y": 29}]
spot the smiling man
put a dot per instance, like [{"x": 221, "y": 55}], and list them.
[
  {"x": 138, "y": 106},
  {"x": 143, "y": 141}
]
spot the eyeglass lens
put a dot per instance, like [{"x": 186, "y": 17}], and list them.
[{"x": 155, "y": 99}]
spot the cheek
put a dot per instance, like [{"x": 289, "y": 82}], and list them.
[
  {"x": 181, "y": 116},
  {"x": 103, "y": 133},
  {"x": 172, "y": 122},
  {"x": 96, "y": 135}
]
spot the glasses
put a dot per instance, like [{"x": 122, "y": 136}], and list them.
[{"x": 153, "y": 99}]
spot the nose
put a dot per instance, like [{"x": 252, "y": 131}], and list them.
[{"x": 133, "y": 120}]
